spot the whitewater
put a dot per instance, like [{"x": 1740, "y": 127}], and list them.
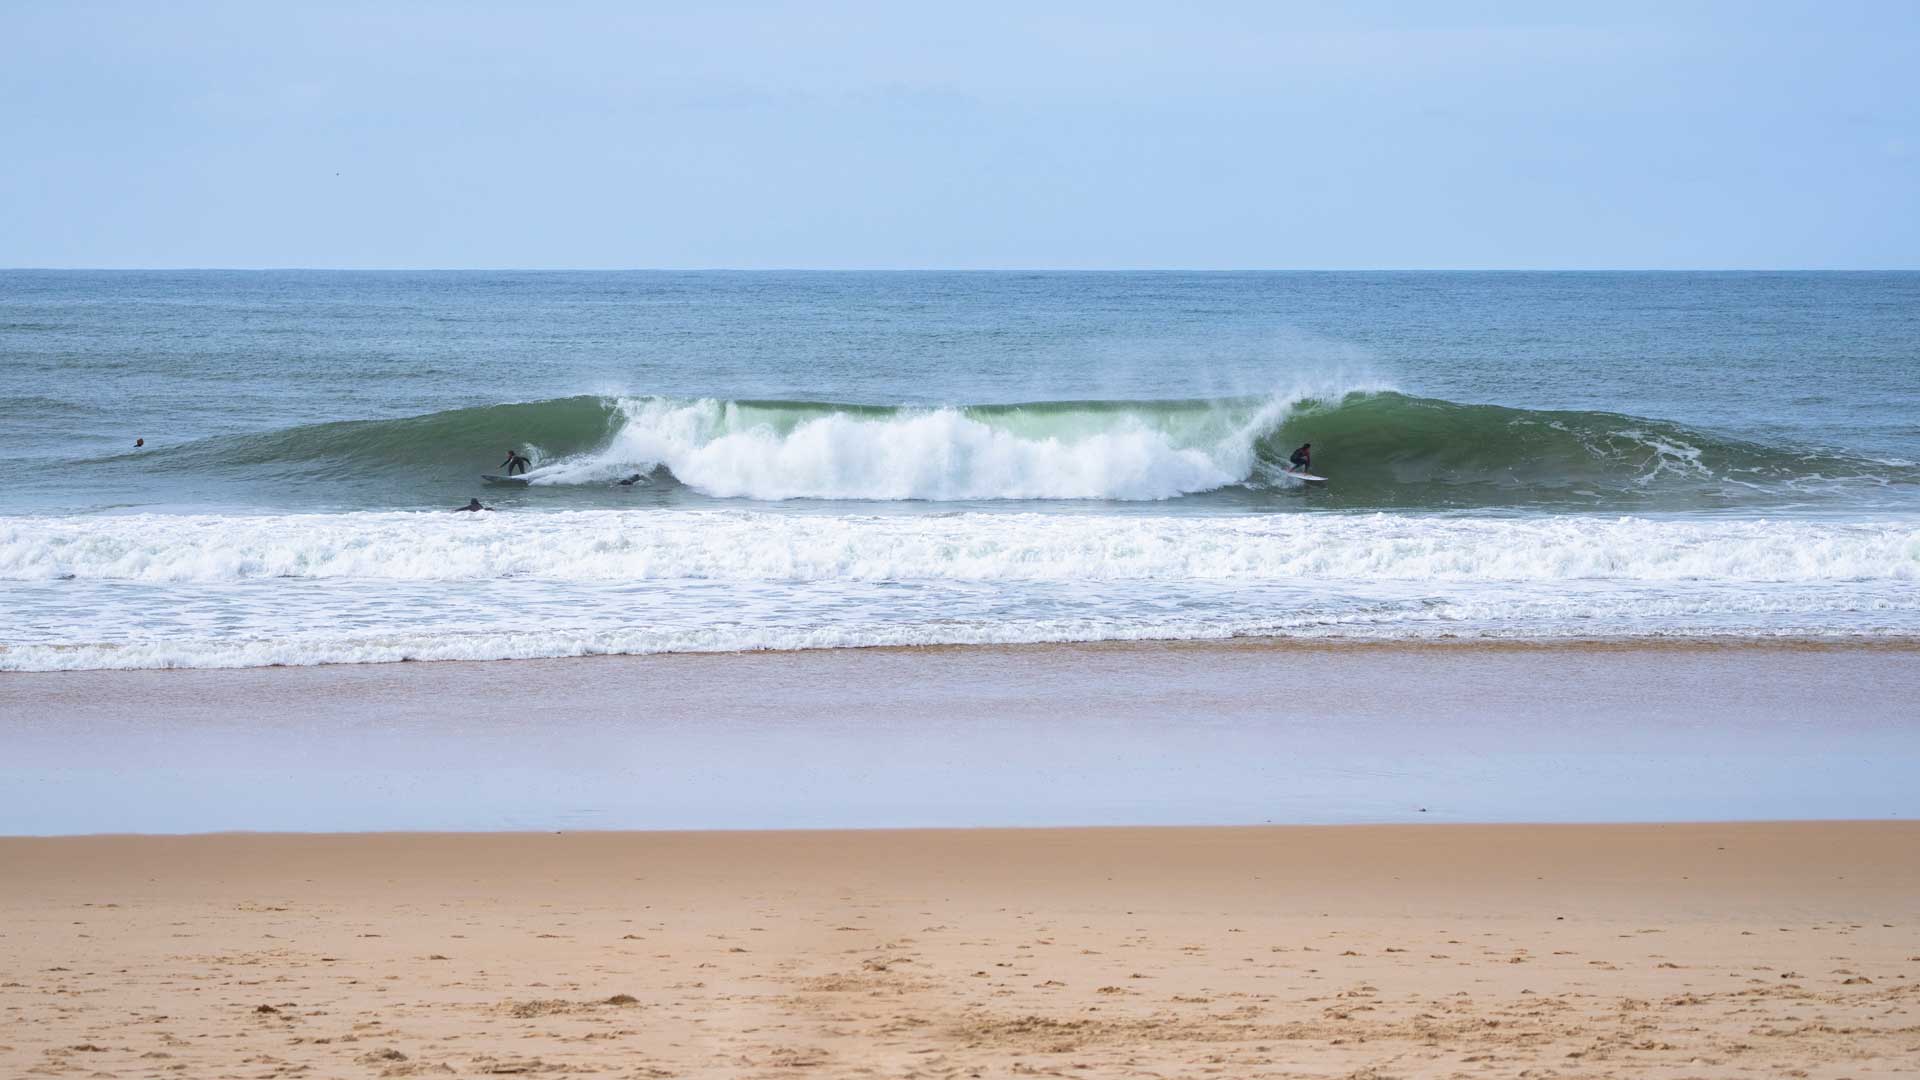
[
  {"x": 747, "y": 546},
  {"x": 947, "y": 454},
  {"x": 216, "y": 591}
]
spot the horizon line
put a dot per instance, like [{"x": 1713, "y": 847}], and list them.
[{"x": 970, "y": 269}]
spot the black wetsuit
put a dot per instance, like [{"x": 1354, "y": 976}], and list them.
[
  {"x": 1302, "y": 458},
  {"x": 516, "y": 463}
]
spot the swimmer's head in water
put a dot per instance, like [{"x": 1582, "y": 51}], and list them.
[{"x": 138, "y": 443}]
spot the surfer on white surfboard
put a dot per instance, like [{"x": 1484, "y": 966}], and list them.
[{"x": 1302, "y": 459}]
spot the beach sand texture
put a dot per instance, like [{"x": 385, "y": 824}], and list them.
[{"x": 1389, "y": 951}]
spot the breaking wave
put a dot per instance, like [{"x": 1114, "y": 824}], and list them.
[{"x": 1382, "y": 449}]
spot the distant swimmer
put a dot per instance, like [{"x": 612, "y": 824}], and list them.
[
  {"x": 516, "y": 463},
  {"x": 1302, "y": 458},
  {"x": 138, "y": 443},
  {"x": 472, "y": 504},
  {"x": 636, "y": 478}
]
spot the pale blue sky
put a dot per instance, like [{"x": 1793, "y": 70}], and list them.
[{"x": 1112, "y": 134}]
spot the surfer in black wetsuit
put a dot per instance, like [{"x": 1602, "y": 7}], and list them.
[
  {"x": 1302, "y": 458},
  {"x": 472, "y": 504},
  {"x": 516, "y": 463}
]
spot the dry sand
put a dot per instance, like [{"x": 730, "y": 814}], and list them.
[{"x": 1392, "y": 951}]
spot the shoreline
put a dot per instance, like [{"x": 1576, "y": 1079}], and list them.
[
  {"x": 1282, "y": 952},
  {"x": 1871, "y": 641}
]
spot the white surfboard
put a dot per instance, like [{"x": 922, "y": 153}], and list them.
[
  {"x": 1306, "y": 476},
  {"x": 496, "y": 478}
]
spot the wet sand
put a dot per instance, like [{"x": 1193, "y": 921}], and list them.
[
  {"x": 1244, "y": 732},
  {"x": 1398, "y": 951}
]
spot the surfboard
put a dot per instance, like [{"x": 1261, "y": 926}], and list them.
[
  {"x": 1307, "y": 476},
  {"x": 496, "y": 478}
]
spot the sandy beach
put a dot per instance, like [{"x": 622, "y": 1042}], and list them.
[
  {"x": 1400, "y": 951},
  {"x": 331, "y": 941}
]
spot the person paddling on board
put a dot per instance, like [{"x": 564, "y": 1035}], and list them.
[
  {"x": 1302, "y": 458},
  {"x": 472, "y": 504},
  {"x": 516, "y": 463}
]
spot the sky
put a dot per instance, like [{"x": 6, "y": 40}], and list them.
[{"x": 970, "y": 135}]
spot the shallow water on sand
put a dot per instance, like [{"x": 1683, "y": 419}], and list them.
[{"x": 1232, "y": 733}]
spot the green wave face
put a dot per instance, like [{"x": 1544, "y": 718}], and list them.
[
  {"x": 1393, "y": 450},
  {"x": 457, "y": 440},
  {"x": 1380, "y": 450}
]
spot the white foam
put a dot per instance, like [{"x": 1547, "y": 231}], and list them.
[
  {"x": 652, "y": 545},
  {"x": 212, "y": 591},
  {"x": 834, "y": 624},
  {"x": 728, "y": 449}
]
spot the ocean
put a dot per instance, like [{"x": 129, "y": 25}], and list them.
[{"x": 828, "y": 460}]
